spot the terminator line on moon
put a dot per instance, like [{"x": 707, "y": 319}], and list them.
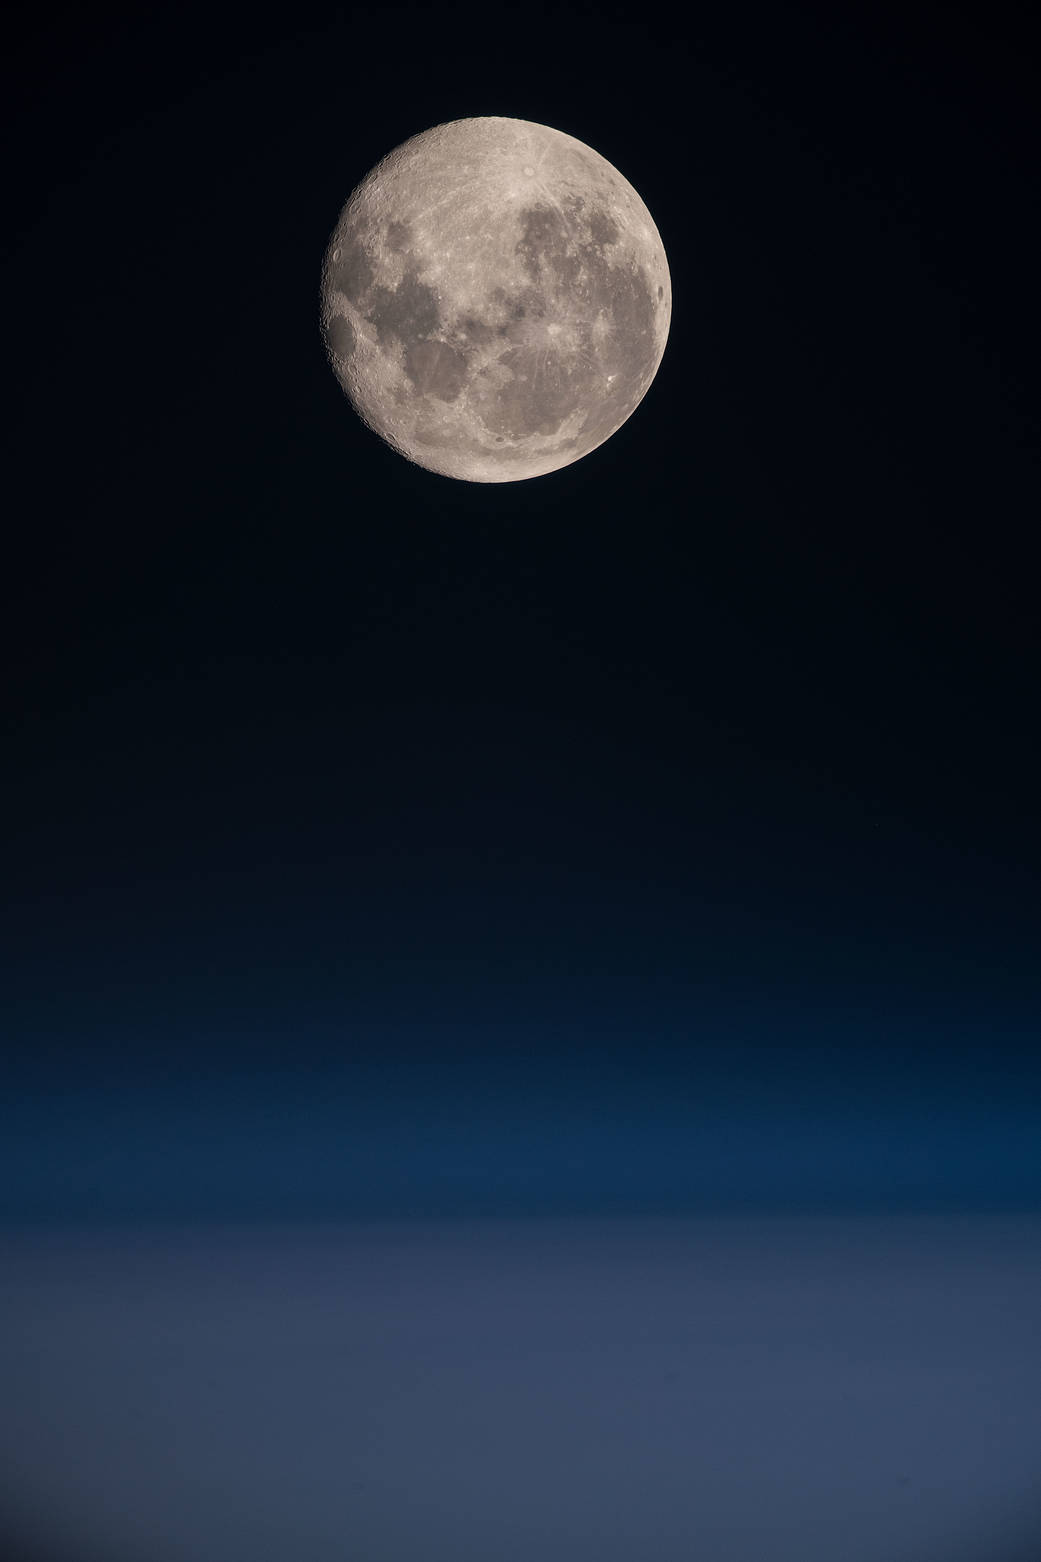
[{"x": 495, "y": 299}]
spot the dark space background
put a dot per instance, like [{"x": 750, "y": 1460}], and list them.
[{"x": 656, "y": 838}]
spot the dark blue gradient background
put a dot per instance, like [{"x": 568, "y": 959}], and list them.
[{"x": 520, "y": 1004}]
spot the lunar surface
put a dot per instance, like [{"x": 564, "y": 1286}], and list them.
[{"x": 495, "y": 299}]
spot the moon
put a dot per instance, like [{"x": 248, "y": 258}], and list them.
[{"x": 495, "y": 299}]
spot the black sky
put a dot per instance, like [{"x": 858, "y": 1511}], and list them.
[{"x": 539, "y": 829}]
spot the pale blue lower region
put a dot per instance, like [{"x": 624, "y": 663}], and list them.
[{"x": 757, "y": 1390}]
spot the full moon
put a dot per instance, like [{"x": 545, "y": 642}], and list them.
[{"x": 495, "y": 299}]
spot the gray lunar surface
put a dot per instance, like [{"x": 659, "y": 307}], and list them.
[{"x": 495, "y": 299}]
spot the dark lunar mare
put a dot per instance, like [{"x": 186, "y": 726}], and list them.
[{"x": 568, "y": 263}]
